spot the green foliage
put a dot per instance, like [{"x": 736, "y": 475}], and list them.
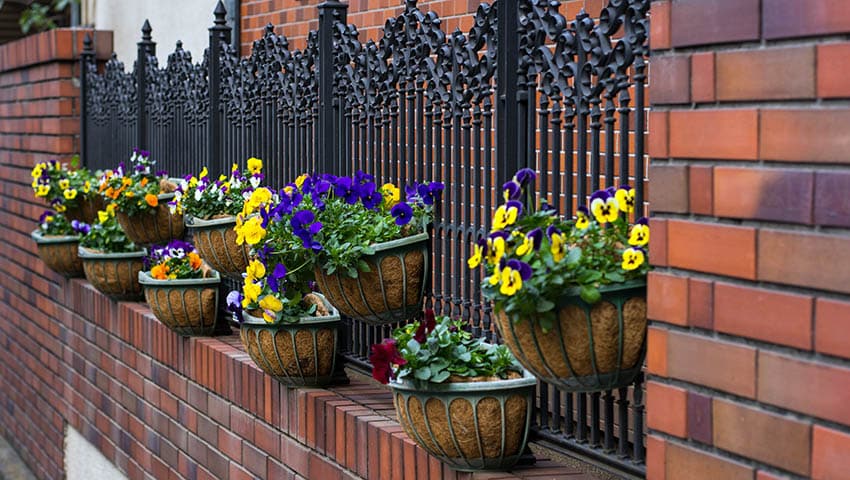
[
  {"x": 37, "y": 16},
  {"x": 134, "y": 187},
  {"x": 106, "y": 235}
]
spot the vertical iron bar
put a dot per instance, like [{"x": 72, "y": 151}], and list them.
[
  {"x": 581, "y": 417},
  {"x": 86, "y": 59},
  {"x": 608, "y": 416},
  {"x": 637, "y": 414},
  {"x": 507, "y": 109},
  {"x": 594, "y": 419},
  {"x": 623, "y": 415},
  {"x": 330, "y": 12},
  {"x": 640, "y": 127},
  {"x": 145, "y": 47},
  {"x": 219, "y": 33}
]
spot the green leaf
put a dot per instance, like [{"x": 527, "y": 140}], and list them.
[
  {"x": 615, "y": 277},
  {"x": 590, "y": 294},
  {"x": 423, "y": 373},
  {"x": 413, "y": 346},
  {"x": 440, "y": 376},
  {"x": 544, "y": 305}
]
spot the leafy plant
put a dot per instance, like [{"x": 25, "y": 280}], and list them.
[
  {"x": 433, "y": 350},
  {"x": 51, "y": 223},
  {"x": 175, "y": 261},
  {"x": 62, "y": 185},
  {"x": 37, "y": 15},
  {"x": 106, "y": 235},
  {"x": 203, "y": 198},
  {"x": 532, "y": 257},
  {"x": 134, "y": 188}
]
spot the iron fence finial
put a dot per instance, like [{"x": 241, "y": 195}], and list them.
[{"x": 220, "y": 13}]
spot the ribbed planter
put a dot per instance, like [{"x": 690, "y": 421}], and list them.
[
  {"x": 215, "y": 241},
  {"x": 114, "y": 274},
  {"x": 391, "y": 292},
  {"x": 59, "y": 253},
  {"x": 155, "y": 226},
  {"x": 475, "y": 425},
  {"x": 590, "y": 347},
  {"x": 301, "y": 353},
  {"x": 86, "y": 209},
  {"x": 189, "y": 307}
]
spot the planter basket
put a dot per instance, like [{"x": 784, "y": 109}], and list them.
[
  {"x": 86, "y": 210},
  {"x": 469, "y": 426},
  {"x": 149, "y": 228},
  {"x": 59, "y": 253},
  {"x": 188, "y": 307},
  {"x": 215, "y": 242},
  {"x": 391, "y": 292},
  {"x": 590, "y": 347},
  {"x": 300, "y": 354},
  {"x": 114, "y": 274}
]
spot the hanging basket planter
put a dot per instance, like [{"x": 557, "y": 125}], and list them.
[
  {"x": 469, "y": 425},
  {"x": 188, "y": 307},
  {"x": 391, "y": 291},
  {"x": 301, "y": 353},
  {"x": 114, "y": 274},
  {"x": 86, "y": 209},
  {"x": 590, "y": 347},
  {"x": 59, "y": 253},
  {"x": 215, "y": 241},
  {"x": 154, "y": 227}
]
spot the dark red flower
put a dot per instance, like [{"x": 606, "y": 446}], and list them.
[
  {"x": 425, "y": 326},
  {"x": 384, "y": 356}
]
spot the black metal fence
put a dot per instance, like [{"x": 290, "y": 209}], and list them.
[{"x": 524, "y": 87}]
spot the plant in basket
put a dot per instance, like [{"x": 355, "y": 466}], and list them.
[
  {"x": 57, "y": 241},
  {"x": 289, "y": 331},
  {"x": 465, "y": 401},
  {"x": 369, "y": 246},
  {"x": 569, "y": 294},
  {"x": 141, "y": 196},
  {"x": 67, "y": 188},
  {"x": 111, "y": 261},
  {"x": 180, "y": 289},
  {"x": 210, "y": 208}
]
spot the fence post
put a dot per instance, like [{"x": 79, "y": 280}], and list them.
[
  {"x": 145, "y": 47},
  {"x": 219, "y": 34},
  {"x": 86, "y": 59},
  {"x": 507, "y": 89},
  {"x": 330, "y": 158}
]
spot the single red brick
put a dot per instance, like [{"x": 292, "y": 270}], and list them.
[
  {"x": 714, "y": 134},
  {"x": 763, "y": 74},
  {"x": 671, "y": 79},
  {"x": 801, "y": 18},
  {"x": 700, "y": 22},
  {"x": 808, "y": 387},
  {"x": 832, "y": 80},
  {"x": 659, "y": 27},
  {"x": 712, "y": 248},
  {"x": 700, "y": 189},
  {"x": 656, "y": 351},
  {"x": 701, "y": 303},
  {"x": 752, "y": 433},
  {"x": 667, "y": 298},
  {"x": 826, "y": 142},
  {"x": 667, "y": 409},
  {"x": 832, "y": 319},
  {"x": 687, "y": 463},
  {"x": 807, "y": 260},
  {"x": 767, "y": 315},
  {"x": 830, "y": 454},
  {"x": 658, "y": 125},
  {"x": 832, "y": 204},
  {"x": 714, "y": 363},
  {"x": 671, "y": 195},
  {"x": 702, "y": 77},
  {"x": 658, "y": 244},
  {"x": 655, "y": 458},
  {"x": 699, "y": 418}
]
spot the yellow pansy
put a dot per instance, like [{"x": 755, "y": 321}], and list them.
[
  {"x": 506, "y": 215},
  {"x": 604, "y": 206},
  {"x": 558, "y": 246},
  {"x": 288, "y": 190},
  {"x": 632, "y": 258},
  {"x": 255, "y": 165},
  {"x": 255, "y": 270},
  {"x": 250, "y": 232},
  {"x": 42, "y": 191},
  {"x": 271, "y": 305},
  {"x": 392, "y": 194},
  {"x": 87, "y": 187},
  {"x": 64, "y": 183},
  {"x": 625, "y": 196},
  {"x": 477, "y": 254},
  {"x": 582, "y": 218},
  {"x": 193, "y": 182},
  {"x": 511, "y": 281},
  {"x": 258, "y": 197},
  {"x": 250, "y": 292},
  {"x": 126, "y": 182},
  {"x": 496, "y": 277},
  {"x": 204, "y": 173},
  {"x": 110, "y": 209},
  {"x": 102, "y": 216},
  {"x": 37, "y": 171},
  {"x": 495, "y": 250},
  {"x": 639, "y": 236},
  {"x": 234, "y": 168},
  {"x": 526, "y": 245},
  {"x": 300, "y": 180},
  {"x": 60, "y": 207},
  {"x": 70, "y": 194}
]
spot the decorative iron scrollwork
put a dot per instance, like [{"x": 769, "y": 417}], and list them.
[{"x": 112, "y": 93}]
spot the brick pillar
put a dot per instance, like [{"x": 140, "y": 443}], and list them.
[{"x": 749, "y": 345}]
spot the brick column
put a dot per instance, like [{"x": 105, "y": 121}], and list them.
[{"x": 749, "y": 345}]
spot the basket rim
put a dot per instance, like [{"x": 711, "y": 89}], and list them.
[
  {"x": 334, "y": 317},
  {"x": 84, "y": 252},
  {"x": 40, "y": 238},
  {"x": 400, "y": 242},
  {"x": 146, "y": 279},
  {"x": 527, "y": 380},
  {"x": 193, "y": 221}
]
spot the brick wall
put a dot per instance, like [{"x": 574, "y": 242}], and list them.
[
  {"x": 295, "y": 18},
  {"x": 749, "y": 347}
]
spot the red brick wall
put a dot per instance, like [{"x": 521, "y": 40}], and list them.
[
  {"x": 749, "y": 348},
  {"x": 295, "y": 18}
]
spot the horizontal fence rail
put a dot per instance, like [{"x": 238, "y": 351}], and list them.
[{"x": 525, "y": 86}]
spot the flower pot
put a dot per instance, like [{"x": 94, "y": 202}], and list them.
[
  {"x": 391, "y": 292},
  {"x": 473, "y": 425},
  {"x": 114, "y": 274},
  {"x": 59, "y": 253},
  {"x": 155, "y": 226},
  {"x": 215, "y": 241},
  {"x": 189, "y": 306},
  {"x": 86, "y": 209},
  {"x": 590, "y": 347},
  {"x": 300, "y": 354}
]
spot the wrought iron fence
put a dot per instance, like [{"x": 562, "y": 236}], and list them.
[{"x": 525, "y": 86}]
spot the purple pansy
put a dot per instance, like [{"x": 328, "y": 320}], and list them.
[{"x": 402, "y": 213}]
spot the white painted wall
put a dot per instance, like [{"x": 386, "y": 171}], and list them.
[
  {"x": 171, "y": 20},
  {"x": 83, "y": 461}
]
